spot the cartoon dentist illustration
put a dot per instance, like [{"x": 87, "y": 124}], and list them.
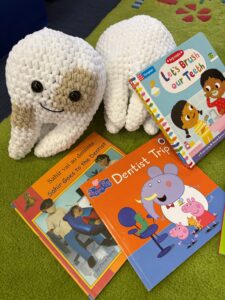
[{"x": 166, "y": 189}]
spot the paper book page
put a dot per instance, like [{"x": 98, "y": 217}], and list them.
[
  {"x": 159, "y": 211},
  {"x": 55, "y": 208},
  {"x": 188, "y": 88}
]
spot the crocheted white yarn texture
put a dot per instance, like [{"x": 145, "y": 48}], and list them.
[
  {"x": 52, "y": 78},
  {"x": 127, "y": 47}
]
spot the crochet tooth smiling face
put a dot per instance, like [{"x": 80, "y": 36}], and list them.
[{"x": 52, "y": 78}]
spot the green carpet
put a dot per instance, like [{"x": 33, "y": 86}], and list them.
[{"x": 29, "y": 271}]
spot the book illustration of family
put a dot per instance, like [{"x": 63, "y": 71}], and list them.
[
  {"x": 186, "y": 116},
  {"x": 65, "y": 228},
  {"x": 181, "y": 204}
]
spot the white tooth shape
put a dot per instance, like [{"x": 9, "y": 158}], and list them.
[
  {"x": 42, "y": 71},
  {"x": 126, "y": 48}
]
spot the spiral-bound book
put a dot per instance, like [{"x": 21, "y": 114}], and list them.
[{"x": 184, "y": 91}]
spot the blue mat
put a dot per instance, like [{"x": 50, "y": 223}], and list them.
[{"x": 77, "y": 18}]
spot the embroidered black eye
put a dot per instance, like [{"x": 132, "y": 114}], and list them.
[
  {"x": 75, "y": 96},
  {"x": 37, "y": 86}
]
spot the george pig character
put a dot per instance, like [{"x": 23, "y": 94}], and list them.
[{"x": 182, "y": 233}]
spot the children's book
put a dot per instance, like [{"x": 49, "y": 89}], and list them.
[
  {"x": 222, "y": 238},
  {"x": 185, "y": 93},
  {"x": 62, "y": 217},
  {"x": 159, "y": 211}
]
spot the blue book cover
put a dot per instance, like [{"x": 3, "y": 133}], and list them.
[{"x": 185, "y": 92}]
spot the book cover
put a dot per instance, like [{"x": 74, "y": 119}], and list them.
[
  {"x": 185, "y": 93},
  {"x": 57, "y": 211},
  {"x": 159, "y": 211},
  {"x": 222, "y": 238}
]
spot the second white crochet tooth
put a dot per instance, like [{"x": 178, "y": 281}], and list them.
[{"x": 127, "y": 47}]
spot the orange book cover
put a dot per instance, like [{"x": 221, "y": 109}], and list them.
[
  {"x": 159, "y": 211},
  {"x": 55, "y": 208}
]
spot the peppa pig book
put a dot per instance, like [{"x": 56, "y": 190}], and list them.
[
  {"x": 185, "y": 93},
  {"x": 55, "y": 208},
  {"x": 159, "y": 211}
]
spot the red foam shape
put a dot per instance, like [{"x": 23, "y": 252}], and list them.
[
  {"x": 191, "y": 6},
  {"x": 181, "y": 11},
  {"x": 170, "y": 2},
  {"x": 204, "y": 11},
  {"x": 204, "y": 18},
  {"x": 188, "y": 18}
]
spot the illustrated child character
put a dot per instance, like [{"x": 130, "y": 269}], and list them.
[
  {"x": 204, "y": 217},
  {"x": 104, "y": 161},
  {"x": 213, "y": 84},
  {"x": 183, "y": 234},
  {"x": 185, "y": 116},
  {"x": 62, "y": 229},
  {"x": 88, "y": 216}
]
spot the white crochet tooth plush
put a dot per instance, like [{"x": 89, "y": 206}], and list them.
[
  {"x": 52, "y": 78},
  {"x": 126, "y": 48}
]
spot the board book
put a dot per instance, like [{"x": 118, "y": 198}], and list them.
[
  {"x": 56, "y": 210},
  {"x": 159, "y": 211},
  {"x": 184, "y": 91},
  {"x": 222, "y": 238}
]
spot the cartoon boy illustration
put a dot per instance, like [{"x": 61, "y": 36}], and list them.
[
  {"x": 213, "y": 84},
  {"x": 185, "y": 116},
  {"x": 88, "y": 215},
  {"x": 104, "y": 161},
  {"x": 61, "y": 228}
]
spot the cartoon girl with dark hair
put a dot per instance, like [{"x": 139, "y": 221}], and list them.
[
  {"x": 185, "y": 116},
  {"x": 213, "y": 84}
]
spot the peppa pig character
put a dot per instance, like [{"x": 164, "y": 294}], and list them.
[
  {"x": 203, "y": 216},
  {"x": 95, "y": 183},
  {"x": 163, "y": 188},
  {"x": 182, "y": 233}
]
